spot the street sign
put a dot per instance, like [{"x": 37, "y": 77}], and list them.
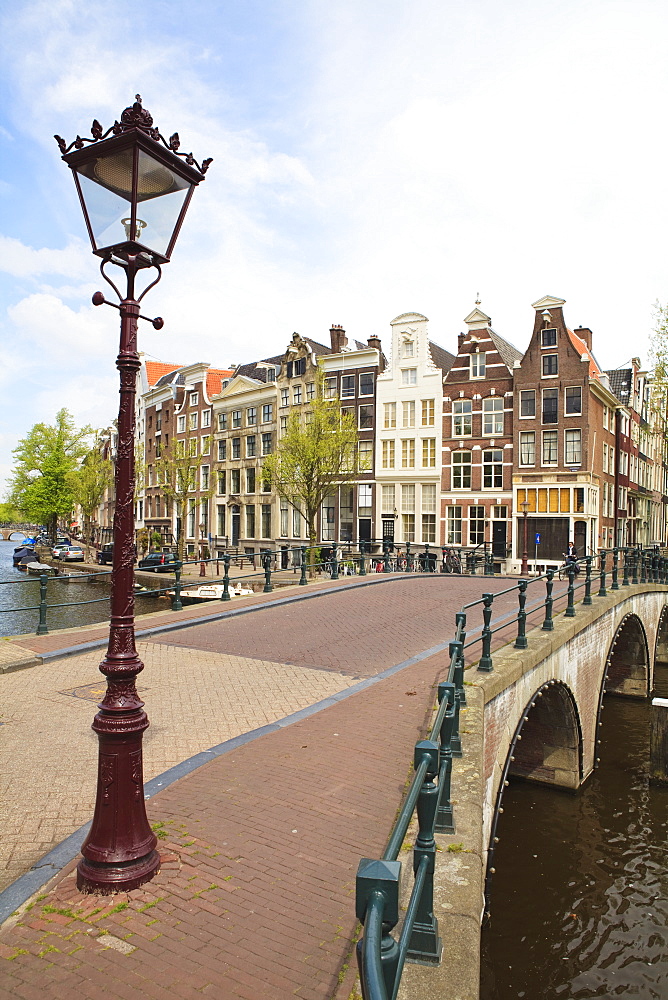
[{"x": 537, "y": 539}]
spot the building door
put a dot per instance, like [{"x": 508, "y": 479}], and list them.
[
  {"x": 499, "y": 538},
  {"x": 388, "y": 530},
  {"x": 581, "y": 538},
  {"x": 364, "y": 525},
  {"x": 236, "y": 524}
]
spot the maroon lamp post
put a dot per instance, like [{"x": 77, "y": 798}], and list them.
[
  {"x": 135, "y": 189},
  {"x": 524, "y": 569}
]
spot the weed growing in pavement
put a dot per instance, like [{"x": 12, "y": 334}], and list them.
[{"x": 118, "y": 908}]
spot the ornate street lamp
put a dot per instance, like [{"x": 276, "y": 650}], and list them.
[
  {"x": 524, "y": 569},
  {"x": 135, "y": 188}
]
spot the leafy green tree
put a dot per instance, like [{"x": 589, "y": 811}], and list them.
[
  {"x": 178, "y": 476},
  {"x": 658, "y": 351},
  {"x": 90, "y": 483},
  {"x": 42, "y": 483},
  {"x": 317, "y": 454},
  {"x": 9, "y": 514}
]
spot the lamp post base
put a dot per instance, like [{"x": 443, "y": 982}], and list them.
[{"x": 104, "y": 879}]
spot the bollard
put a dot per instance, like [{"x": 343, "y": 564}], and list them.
[
  {"x": 334, "y": 571},
  {"x": 445, "y": 821},
  {"x": 226, "y": 579},
  {"x": 521, "y": 641},
  {"x": 378, "y": 880},
  {"x": 302, "y": 579},
  {"x": 586, "y": 600},
  {"x": 362, "y": 560},
  {"x": 266, "y": 565},
  {"x": 41, "y": 627},
  {"x": 425, "y": 946},
  {"x": 625, "y": 581},
  {"x": 177, "y": 604},
  {"x": 601, "y": 590},
  {"x": 548, "y": 624},
  {"x": 570, "y": 607},
  {"x": 486, "y": 658},
  {"x": 615, "y": 569}
]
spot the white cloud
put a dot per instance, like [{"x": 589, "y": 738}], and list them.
[{"x": 23, "y": 261}]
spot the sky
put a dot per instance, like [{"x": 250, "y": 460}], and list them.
[{"x": 371, "y": 157}]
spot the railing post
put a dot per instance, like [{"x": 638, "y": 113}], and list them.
[
  {"x": 662, "y": 569},
  {"x": 615, "y": 569},
  {"x": 655, "y": 566},
  {"x": 456, "y": 650},
  {"x": 601, "y": 590},
  {"x": 409, "y": 558},
  {"x": 379, "y": 878},
  {"x": 643, "y": 566},
  {"x": 486, "y": 658},
  {"x": 334, "y": 572},
  {"x": 636, "y": 555},
  {"x": 548, "y": 624},
  {"x": 177, "y": 604},
  {"x": 41, "y": 626},
  {"x": 625, "y": 580},
  {"x": 521, "y": 641},
  {"x": 266, "y": 565},
  {"x": 445, "y": 821},
  {"x": 587, "y": 599},
  {"x": 460, "y": 622},
  {"x": 386, "y": 558},
  {"x": 226, "y": 578},
  {"x": 427, "y": 563},
  {"x": 489, "y": 563},
  {"x": 444, "y": 568},
  {"x": 362, "y": 561},
  {"x": 302, "y": 579},
  {"x": 425, "y": 946},
  {"x": 570, "y": 607}
]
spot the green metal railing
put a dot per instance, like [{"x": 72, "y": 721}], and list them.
[{"x": 380, "y": 955}]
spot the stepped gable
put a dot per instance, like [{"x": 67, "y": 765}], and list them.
[{"x": 441, "y": 358}]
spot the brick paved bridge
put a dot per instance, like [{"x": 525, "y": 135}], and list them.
[{"x": 318, "y": 698}]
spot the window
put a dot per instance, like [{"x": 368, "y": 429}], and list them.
[
  {"x": 389, "y": 415},
  {"x": 527, "y": 448},
  {"x": 221, "y": 484},
  {"x": 611, "y": 460},
  {"x": 206, "y": 418},
  {"x": 492, "y": 469},
  {"x": 266, "y": 443},
  {"x": 387, "y": 500},
  {"x": 476, "y": 524},
  {"x": 206, "y": 444},
  {"x": 408, "y": 453},
  {"x": 284, "y": 520},
  {"x": 236, "y": 418},
  {"x": 365, "y": 452},
  {"x": 574, "y": 400},
  {"x": 461, "y": 420},
  {"x": 158, "y": 448},
  {"x": 222, "y": 451},
  {"x": 266, "y": 520},
  {"x": 310, "y": 390},
  {"x": 429, "y": 498},
  {"x": 408, "y": 526},
  {"x": 478, "y": 365},
  {"x": 453, "y": 524},
  {"x": 250, "y": 520},
  {"x": 150, "y": 475},
  {"x": 408, "y": 413},
  {"x": 283, "y": 424},
  {"x": 285, "y": 397},
  {"x": 461, "y": 470},
  {"x": 250, "y": 446},
  {"x": 193, "y": 421},
  {"x": 408, "y": 498},
  {"x": 204, "y": 477},
  {"x": 222, "y": 421},
  {"x": 550, "y": 406},
  {"x": 181, "y": 424},
  {"x": 296, "y": 523},
  {"x": 409, "y": 376},
  {"x": 251, "y": 416},
  {"x": 296, "y": 395},
  {"x": 429, "y": 528},
  {"x": 492, "y": 415},
  {"x": 329, "y": 389},
  {"x": 550, "y": 364},
  {"x": 194, "y": 398},
  {"x": 365, "y": 416},
  {"x": 181, "y": 448},
  {"x": 429, "y": 453},
  {"x": 192, "y": 447},
  {"x": 388, "y": 454},
  {"x": 366, "y": 384},
  {"x": 528, "y": 403},
  {"x": 573, "y": 447},
  {"x": 548, "y": 338},
  {"x": 409, "y": 349},
  {"x": 235, "y": 481},
  {"x": 327, "y": 521},
  {"x": 549, "y": 447},
  {"x": 427, "y": 412},
  {"x": 250, "y": 480},
  {"x": 220, "y": 510},
  {"x": 236, "y": 447},
  {"x": 364, "y": 500},
  {"x": 347, "y": 386}
]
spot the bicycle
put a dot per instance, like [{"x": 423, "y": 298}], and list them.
[{"x": 452, "y": 562}]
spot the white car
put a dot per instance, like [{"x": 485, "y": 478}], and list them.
[
  {"x": 73, "y": 553},
  {"x": 57, "y": 550}
]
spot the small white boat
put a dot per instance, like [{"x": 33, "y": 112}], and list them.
[
  {"x": 38, "y": 568},
  {"x": 211, "y": 592}
]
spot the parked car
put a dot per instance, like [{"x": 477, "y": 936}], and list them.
[
  {"x": 73, "y": 553},
  {"x": 161, "y": 562},
  {"x": 106, "y": 554},
  {"x": 57, "y": 550}
]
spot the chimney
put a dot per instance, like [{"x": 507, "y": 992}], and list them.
[
  {"x": 461, "y": 337},
  {"x": 584, "y": 333},
  {"x": 374, "y": 342},
  {"x": 338, "y": 337}
]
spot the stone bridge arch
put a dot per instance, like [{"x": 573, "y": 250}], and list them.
[
  {"x": 13, "y": 534},
  {"x": 627, "y": 666},
  {"x": 661, "y": 644}
]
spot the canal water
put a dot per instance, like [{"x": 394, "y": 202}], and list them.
[
  {"x": 17, "y": 590},
  {"x": 579, "y": 904}
]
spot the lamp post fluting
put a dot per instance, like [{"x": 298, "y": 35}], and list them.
[{"x": 127, "y": 170}]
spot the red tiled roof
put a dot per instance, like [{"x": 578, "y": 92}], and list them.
[
  {"x": 581, "y": 348},
  {"x": 214, "y": 379},
  {"x": 156, "y": 369}
]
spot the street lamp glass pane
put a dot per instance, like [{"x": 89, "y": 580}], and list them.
[
  {"x": 161, "y": 203},
  {"x": 105, "y": 210}
]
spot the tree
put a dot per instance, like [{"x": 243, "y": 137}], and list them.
[
  {"x": 9, "y": 514},
  {"x": 317, "y": 454},
  {"x": 658, "y": 352},
  {"x": 90, "y": 483},
  {"x": 42, "y": 483},
  {"x": 177, "y": 472}
]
